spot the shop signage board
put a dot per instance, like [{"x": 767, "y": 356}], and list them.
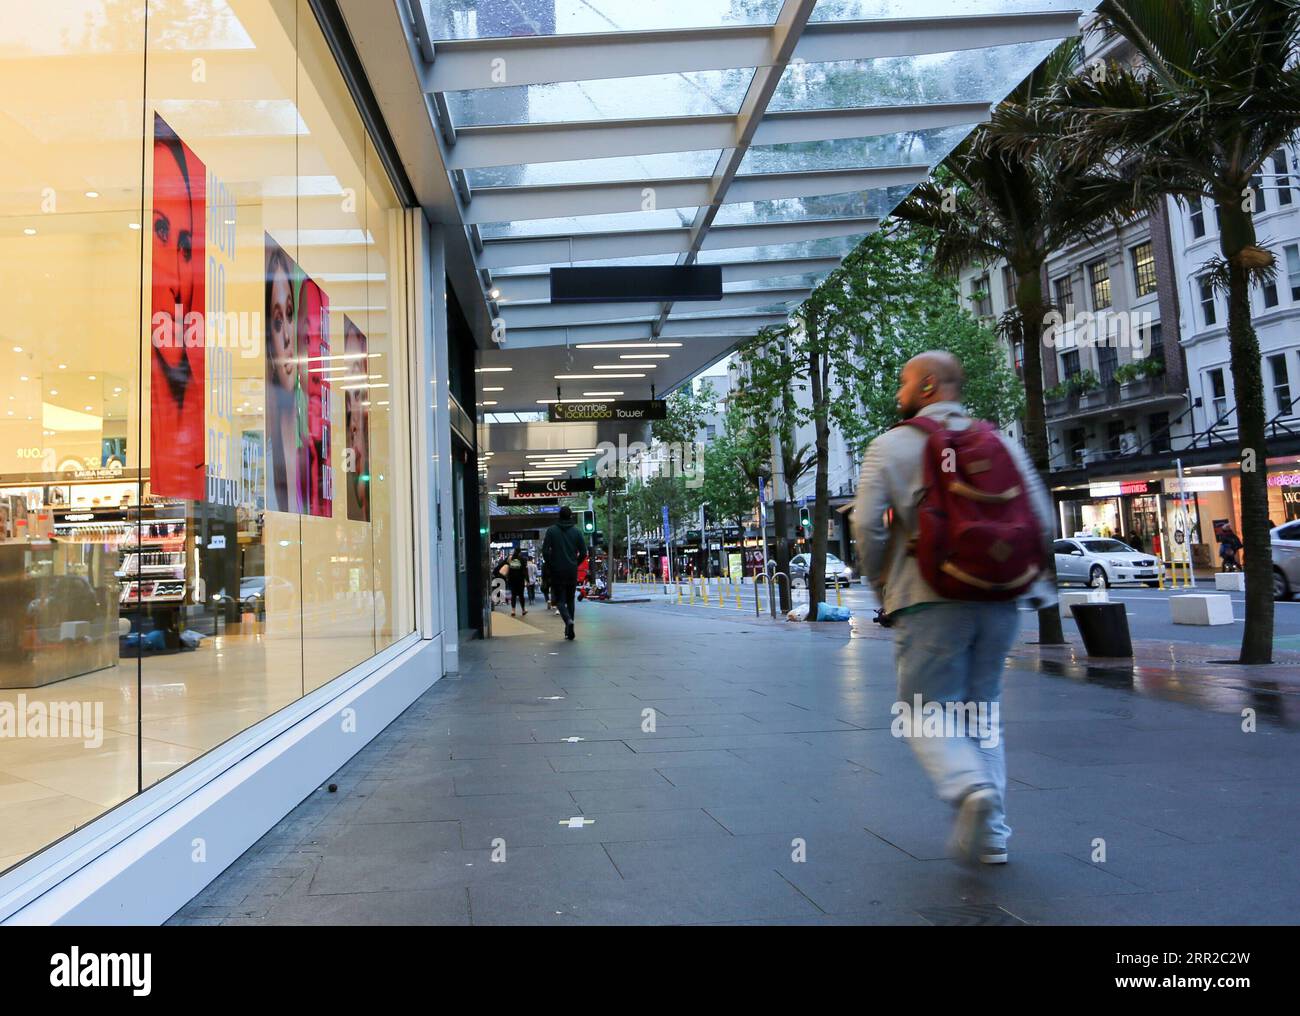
[
  {"x": 1121, "y": 488},
  {"x": 517, "y": 535},
  {"x": 606, "y": 409},
  {"x": 555, "y": 488},
  {"x": 532, "y": 502}
]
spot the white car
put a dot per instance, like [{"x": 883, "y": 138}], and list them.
[
  {"x": 1100, "y": 562},
  {"x": 836, "y": 571},
  {"x": 1286, "y": 560}
]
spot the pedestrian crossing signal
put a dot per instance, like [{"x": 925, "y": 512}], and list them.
[
  {"x": 805, "y": 519},
  {"x": 588, "y": 521}
]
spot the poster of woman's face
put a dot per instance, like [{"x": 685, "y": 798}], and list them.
[
  {"x": 177, "y": 332},
  {"x": 356, "y": 401},
  {"x": 285, "y": 407},
  {"x": 314, "y": 345}
]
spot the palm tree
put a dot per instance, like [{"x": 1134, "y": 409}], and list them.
[
  {"x": 1218, "y": 93},
  {"x": 1019, "y": 203}
]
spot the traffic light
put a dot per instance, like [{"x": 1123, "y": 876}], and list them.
[
  {"x": 588, "y": 521},
  {"x": 805, "y": 520}
]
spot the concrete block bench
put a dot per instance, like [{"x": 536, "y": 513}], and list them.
[
  {"x": 1201, "y": 608},
  {"x": 1072, "y": 596},
  {"x": 1233, "y": 581}
]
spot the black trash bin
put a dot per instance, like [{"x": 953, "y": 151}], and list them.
[{"x": 1104, "y": 627}]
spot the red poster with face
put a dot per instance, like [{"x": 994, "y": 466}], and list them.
[
  {"x": 314, "y": 346},
  {"x": 177, "y": 332}
]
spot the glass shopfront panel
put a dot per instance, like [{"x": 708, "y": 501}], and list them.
[{"x": 205, "y": 474}]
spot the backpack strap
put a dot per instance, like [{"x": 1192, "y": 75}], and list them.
[{"x": 928, "y": 424}]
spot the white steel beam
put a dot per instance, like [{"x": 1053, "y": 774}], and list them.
[
  {"x": 544, "y": 314},
  {"x": 514, "y": 204},
  {"x": 463, "y": 64}
]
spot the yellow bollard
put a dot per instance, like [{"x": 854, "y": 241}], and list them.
[
  {"x": 704, "y": 590},
  {"x": 679, "y": 591},
  {"x": 739, "y": 605},
  {"x": 838, "y": 602}
]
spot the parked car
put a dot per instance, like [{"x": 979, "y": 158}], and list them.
[
  {"x": 836, "y": 571},
  {"x": 1100, "y": 563},
  {"x": 1286, "y": 560}
]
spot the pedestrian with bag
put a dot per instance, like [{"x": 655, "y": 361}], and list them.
[
  {"x": 564, "y": 550},
  {"x": 516, "y": 578},
  {"x": 953, "y": 526},
  {"x": 1229, "y": 547}
]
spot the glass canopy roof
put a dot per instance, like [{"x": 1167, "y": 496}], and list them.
[{"x": 765, "y": 136}]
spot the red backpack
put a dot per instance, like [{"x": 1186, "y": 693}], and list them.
[{"x": 978, "y": 537}]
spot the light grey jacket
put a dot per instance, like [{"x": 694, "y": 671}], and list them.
[{"x": 893, "y": 476}]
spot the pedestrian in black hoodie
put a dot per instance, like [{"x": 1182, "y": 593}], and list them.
[{"x": 564, "y": 549}]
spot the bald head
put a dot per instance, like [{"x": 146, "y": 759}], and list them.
[{"x": 932, "y": 376}]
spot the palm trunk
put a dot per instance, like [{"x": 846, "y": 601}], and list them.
[
  {"x": 1236, "y": 234},
  {"x": 821, "y": 503},
  {"x": 1030, "y": 309}
]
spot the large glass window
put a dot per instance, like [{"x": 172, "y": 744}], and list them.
[
  {"x": 205, "y": 490},
  {"x": 1099, "y": 282},
  {"x": 1144, "y": 269}
]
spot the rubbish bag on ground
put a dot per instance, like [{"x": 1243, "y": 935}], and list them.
[
  {"x": 799, "y": 613},
  {"x": 190, "y": 638},
  {"x": 825, "y": 612}
]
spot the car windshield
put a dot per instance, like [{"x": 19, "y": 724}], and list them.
[
  {"x": 1107, "y": 547},
  {"x": 832, "y": 559}
]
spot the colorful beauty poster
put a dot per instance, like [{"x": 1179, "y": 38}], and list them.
[
  {"x": 314, "y": 345},
  {"x": 177, "y": 333},
  {"x": 285, "y": 405},
  {"x": 356, "y": 412}
]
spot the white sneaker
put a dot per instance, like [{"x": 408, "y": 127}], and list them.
[
  {"x": 994, "y": 856},
  {"x": 972, "y": 825}
]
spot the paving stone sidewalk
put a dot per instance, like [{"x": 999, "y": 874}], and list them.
[{"x": 528, "y": 790}]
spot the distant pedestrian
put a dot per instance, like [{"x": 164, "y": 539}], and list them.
[
  {"x": 950, "y": 589},
  {"x": 516, "y": 579},
  {"x": 564, "y": 551},
  {"x": 532, "y": 581},
  {"x": 1229, "y": 547}
]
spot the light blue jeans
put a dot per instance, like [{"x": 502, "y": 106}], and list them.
[{"x": 955, "y": 652}]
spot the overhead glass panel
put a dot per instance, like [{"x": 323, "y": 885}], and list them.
[
  {"x": 611, "y": 222},
  {"x": 660, "y": 166},
  {"x": 966, "y": 76},
  {"x": 494, "y": 19},
  {"x": 866, "y": 10},
  {"x": 805, "y": 281},
  {"x": 698, "y": 93},
  {"x": 877, "y": 203},
  {"x": 641, "y": 259},
  {"x": 831, "y": 246},
  {"x": 907, "y": 148},
  {"x": 691, "y": 311}
]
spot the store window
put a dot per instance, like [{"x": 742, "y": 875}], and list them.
[
  {"x": 1099, "y": 282},
  {"x": 204, "y": 472},
  {"x": 1281, "y": 385},
  {"x": 1144, "y": 269}
]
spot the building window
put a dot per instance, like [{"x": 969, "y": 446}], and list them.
[
  {"x": 1009, "y": 285},
  {"x": 1064, "y": 290},
  {"x": 1099, "y": 280},
  {"x": 1269, "y": 290},
  {"x": 1283, "y": 178},
  {"x": 1158, "y": 431},
  {"x": 1070, "y": 364},
  {"x": 1144, "y": 269},
  {"x": 1114, "y": 436},
  {"x": 1077, "y": 441},
  {"x": 1218, "y": 393},
  {"x": 1107, "y": 361},
  {"x": 1293, "y": 270},
  {"x": 1154, "y": 342},
  {"x": 1197, "y": 218},
  {"x": 981, "y": 297},
  {"x": 1281, "y": 384},
  {"x": 1207, "y": 301}
]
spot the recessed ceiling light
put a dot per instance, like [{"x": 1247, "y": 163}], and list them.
[
  {"x": 494, "y": 293},
  {"x": 623, "y": 366},
  {"x": 91, "y": 377},
  {"x": 92, "y": 193},
  {"x": 54, "y": 391},
  {"x": 592, "y": 395},
  {"x": 494, "y": 389},
  {"x": 628, "y": 345},
  {"x": 23, "y": 377},
  {"x": 487, "y": 403},
  {"x": 18, "y": 349},
  {"x": 133, "y": 225},
  {"x": 594, "y": 377},
  {"x": 491, "y": 370},
  {"x": 88, "y": 409},
  {"x": 645, "y": 356},
  {"x": 29, "y": 231},
  {"x": 63, "y": 366}
]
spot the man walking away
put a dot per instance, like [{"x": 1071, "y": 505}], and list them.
[
  {"x": 516, "y": 578},
  {"x": 532, "y": 581},
  {"x": 564, "y": 549},
  {"x": 968, "y": 530}
]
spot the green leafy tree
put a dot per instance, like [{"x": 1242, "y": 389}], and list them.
[{"x": 1217, "y": 93}]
